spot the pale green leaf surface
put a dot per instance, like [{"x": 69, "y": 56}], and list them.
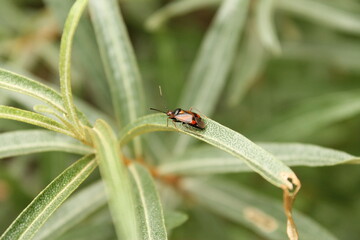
[
  {"x": 176, "y": 8},
  {"x": 76, "y": 209},
  {"x": 317, "y": 112},
  {"x": 342, "y": 53},
  {"x": 65, "y": 59},
  {"x": 120, "y": 64},
  {"x": 261, "y": 214},
  {"x": 24, "y": 85},
  {"x": 249, "y": 63},
  {"x": 265, "y": 25},
  {"x": 174, "y": 219},
  {"x": 214, "y": 60},
  {"x": 118, "y": 59},
  {"x": 45, "y": 93},
  {"x": 86, "y": 54},
  {"x": 117, "y": 181},
  {"x": 33, "y": 141},
  {"x": 323, "y": 13},
  {"x": 34, "y": 119},
  {"x": 41, "y": 208},
  {"x": 150, "y": 212},
  {"x": 209, "y": 160},
  {"x": 221, "y": 137}
]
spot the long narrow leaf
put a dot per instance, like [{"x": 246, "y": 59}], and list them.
[
  {"x": 176, "y": 8},
  {"x": 322, "y": 13},
  {"x": 24, "y": 85},
  {"x": 209, "y": 160},
  {"x": 65, "y": 59},
  {"x": 41, "y": 208},
  {"x": 77, "y": 208},
  {"x": 214, "y": 60},
  {"x": 266, "y": 28},
  {"x": 36, "y": 88},
  {"x": 117, "y": 181},
  {"x": 34, "y": 119},
  {"x": 263, "y": 215},
  {"x": 33, "y": 141},
  {"x": 223, "y": 138},
  {"x": 119, "y": 62},
  {"x": 118, "y": 59},
  {"x": 249, "y": 63},
  {"x": 150, "y": 211},
  {"x": 86, "y": 54},
  {"x": 317, "y": 113}
]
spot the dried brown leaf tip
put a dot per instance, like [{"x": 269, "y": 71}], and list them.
[{"x": 290, "y": 191}]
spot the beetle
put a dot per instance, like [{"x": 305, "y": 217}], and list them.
[{"x": 185, "y": 117}]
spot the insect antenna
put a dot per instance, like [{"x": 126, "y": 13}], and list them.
[{"x": 157, "y": 110}]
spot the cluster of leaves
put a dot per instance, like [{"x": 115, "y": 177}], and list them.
[{"x": 240, "y": 40}]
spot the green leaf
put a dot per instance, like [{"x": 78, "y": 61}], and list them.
[
  {"x": 223, "y": 138},
  {"x": 261, "y": 214},
  {"x": 317, "y": 113},
  {"x": 37, "y": 89},
  {"x": 176, "y": 8},
  {"x": 150, "y": 212},
  {"x": 174, "y": 219},
  {"x": 65, "y": 60},
  {"x": 76, "y": 209},
  {"x": 214, "y": 60},
  {"x": 24, "y": 85},
  {"x": 86, "y": 55},
  {"x": 209, "y": 160},
  {"x": 41, "y": 208},
  {"x": 118, "y": 59},
  {"x": 33, "y": 141},
  {"x": 339, "y": 52},
  {"x": 34, "y": 119},
  {"x": 249, "y": 63},
  {"x": 117, "y": 181},
  {"x": 265, "y": 25},
  {"x": 322, "y": 13}
]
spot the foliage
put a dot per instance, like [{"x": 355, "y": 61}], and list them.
[{"x": 271, "y": 70}]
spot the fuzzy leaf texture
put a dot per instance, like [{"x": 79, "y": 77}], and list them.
[
  {"x": 40, "y": 209},
  {"x": 223, "y": 138}
]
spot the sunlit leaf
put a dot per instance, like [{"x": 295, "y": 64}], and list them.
[
  {"x": 24, "y": 85},
  {"x": 223, "y": 138},
  {"x": 34, "y": 119},
  {"x": 117, "y": 182},
  {"x": 33, "y": 141},
  {"x": 65, "y": 60}
]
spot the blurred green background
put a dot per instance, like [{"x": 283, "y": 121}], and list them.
[{"x": 302, "y": 87}]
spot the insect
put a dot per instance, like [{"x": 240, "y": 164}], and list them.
[{"x": 185, "y": 117}]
